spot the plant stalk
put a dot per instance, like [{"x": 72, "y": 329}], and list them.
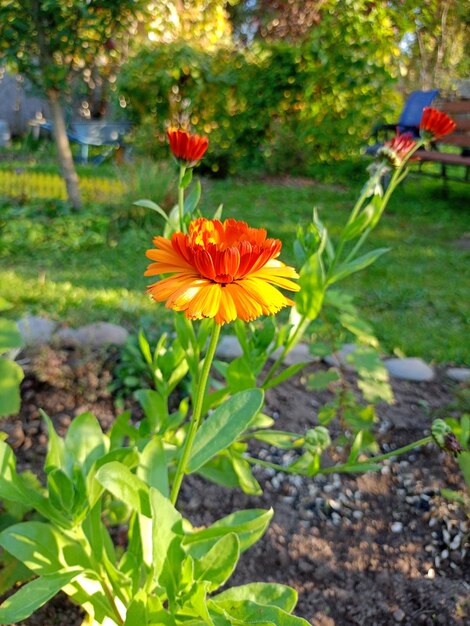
[
  {"x": 197, "y": 414},
  {"x": 181, "y": 197}
]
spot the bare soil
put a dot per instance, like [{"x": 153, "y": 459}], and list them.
[{"x": 376, "y": 549}]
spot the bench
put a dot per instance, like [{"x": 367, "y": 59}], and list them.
[
  {"x": 101, "y": 134},
  {"x": 459, "y": 110}
]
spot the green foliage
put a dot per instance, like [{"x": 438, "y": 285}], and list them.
[
  {"x": 169, "y": 571},
  {"x": 52, "y": 39},
  {"x": 317, "y": 97},
  {"x": 11, "y": 373}
]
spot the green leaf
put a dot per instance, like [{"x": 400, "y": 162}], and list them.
[
  {"x": 355, "y": 228},
  {"x": 248, "y": 612},
  {"x": 224, "y": 426},
  {"x": 11, "y": 376},
  {"x": 55, "y": 448},
  {"x": 61, "y": 491},
  {"x": 191, "y": 202},
  {"x": 167, "y": 527},
  {"x": 137, "y": 612},
  {"x": 187, "y": 178},
  {"x": 269, "y": 594},
  {"x": 153, "y": 468},
  {"x": 155, "y": 408},
  {"x": 42, "y": 548},
  {"x": 345, "y": 269},
  {"x": 145, "y": 348},
  {"x": 220, "y": 470},
  {"x": 10, "y": 336},
  {"x": 33, "y": 595},
  {"x": 287, "y": 373},
  {"x": 84, "y": 442},
  {"x": 321, "y": 380},
  {"x": 148, "y": 204},
  {"x": 240, "y": 375},
  {"x": 279, "y": 438},
  {"x": 248, "y": 525},
  {"x": 124, "y": 485},
  {"x": 309, "y": 299},
  {"x": 246, "y": 480},
  {"x": 218, "y": 564}
]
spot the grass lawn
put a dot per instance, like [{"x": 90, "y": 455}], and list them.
[{"x": 89, "y": 266}]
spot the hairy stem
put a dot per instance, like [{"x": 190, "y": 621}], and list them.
[{"x": 197, "y": 414}]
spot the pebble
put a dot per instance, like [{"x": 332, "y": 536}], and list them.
[
  {"x": 412, "y": 369},
  {"x": 36, "y": 330},
  {"x": 396, "y": 527},
  {"x": 399, "y": 615},
  {"x": 358, "y": 515},
  {"x": 459, "y": 374},
  {"x": 339, "y": 358}
]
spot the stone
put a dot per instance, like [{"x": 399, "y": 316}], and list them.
[
  {"x": 228, "y": 348},
  {"x": 411, "y": 368},
  {"x": 339, "y": 358},
  {"x": 459, "y": 374},
  {"x": 36, "y": 330},
  {"x": 399, "y": 615},
  {"x": 66, "y": 337},
  {"x": 101, "y": 334},
  {"x": 299, "y": 354},
  {"x": 396, "y": 527}
]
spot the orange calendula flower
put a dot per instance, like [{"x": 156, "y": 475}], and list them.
[
  {"x": 187, "y": 148},
  {"x": 396, "y": 150},
  {"x": 221, "y": 270},
  {"x": 435, "y": 124}
]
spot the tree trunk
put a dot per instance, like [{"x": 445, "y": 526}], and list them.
[{"x": 64, "y": 152}]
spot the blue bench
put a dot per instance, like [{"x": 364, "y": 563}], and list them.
[{"x": 100, "y": 134}]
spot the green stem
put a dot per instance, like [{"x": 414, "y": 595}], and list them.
[
  {"x": 197, "y": 414},
  {"x": 293, "y": 339},
  {"x": 345, "y": 466},
  {"x": 181, "y": 197},
  {"x": 378, "y": 458}
]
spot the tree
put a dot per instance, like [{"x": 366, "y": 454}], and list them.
[
  {"x": 435, "y": 40},
  {"x": 52, "y": 41}
]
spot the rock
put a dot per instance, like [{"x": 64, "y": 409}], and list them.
[
  {"x": 339, "y": 358},
  {"x": 66, "y": 337},
  {"x": 412, "y": 368},
  {"x": 299, "y": 354},
  {"x": 459, "y": 374},
  {"x": 228, "y": 348},
  {"x": 399, "y": 615},
  {"x": 396, "y": 527},
  {"x": 36, "y": 330},
  {"x": 101, "y": 334}
]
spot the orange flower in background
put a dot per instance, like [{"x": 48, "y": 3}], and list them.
[
  {"x": 220, "y": 270},
  {"x": 187, "y": 148},
  {"x": 396, "y": 150},
  {"x": 435, "y": 124}
]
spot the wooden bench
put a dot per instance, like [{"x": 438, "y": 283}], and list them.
[{"x": 459, "y": 110}]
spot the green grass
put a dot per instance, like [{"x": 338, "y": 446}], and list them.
[{"x": 86, "y": 267}]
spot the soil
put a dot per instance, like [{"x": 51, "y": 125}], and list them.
[{"x": 375, "y": 549}]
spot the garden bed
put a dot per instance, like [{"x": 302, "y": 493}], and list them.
[{"x": 374, "y": 549}]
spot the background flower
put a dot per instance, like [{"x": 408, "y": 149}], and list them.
[{"x": 187, "y": 148}]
